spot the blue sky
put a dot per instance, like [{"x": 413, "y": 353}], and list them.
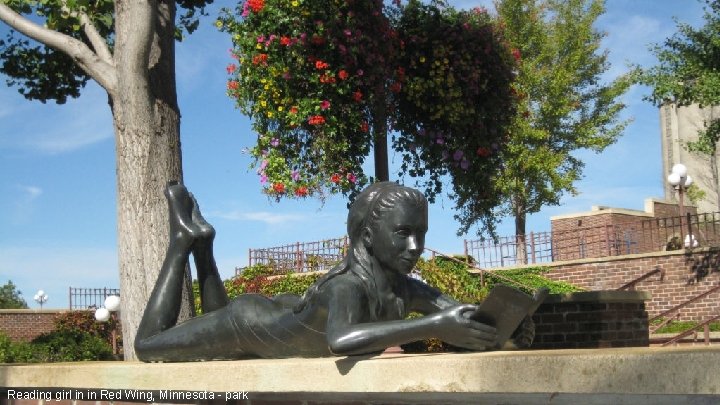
[{"x": 57, "y": 166}]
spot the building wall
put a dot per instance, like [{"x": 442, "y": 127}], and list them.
[
  {"x": 679, "y": 125},
  {"x": 26, "y": 324},
  {"x": 686, "y": 275}
]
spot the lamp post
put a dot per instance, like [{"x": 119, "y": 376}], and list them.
[
  {"x": 681, "y": 180},
  {"x": 40, "y": 297},
  {"x": 103, "y": 314}
]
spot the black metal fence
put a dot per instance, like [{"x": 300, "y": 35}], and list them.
[
  {"x": 300, "y": 257},
  {"x": 642, "y": 236},
  {"x": 90, "y": 298}
]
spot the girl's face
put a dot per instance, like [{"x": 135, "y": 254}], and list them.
[{"x": 398, "y": 238}]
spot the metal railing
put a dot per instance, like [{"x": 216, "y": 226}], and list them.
[
  {"x": 301, "y": 257},
  {"x": 88, "y": 298},
  {"x": 641, "y": 236}
]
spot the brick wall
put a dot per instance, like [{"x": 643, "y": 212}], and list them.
[
  {"x": 686, "y": 274},
  {"x": 26, "y": 324},
  {"x": 592, "y": 320}
]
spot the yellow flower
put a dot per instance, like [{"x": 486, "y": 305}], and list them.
[
  {"x": 422, "y": 59},
  {"x": 295, "y": 3},
  {"x": 269, "y": 114},
  {"x": 218, "y": 23},
  {"x": 263, "y": 103},
  {"x": 258, "y": 46},
  {"x": 280, "y": 108},
  {"x": 267, "y": 86}
]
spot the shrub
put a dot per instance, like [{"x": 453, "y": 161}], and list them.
[
  {"x": 451, "y": 276},
  {"x": 69, "y": 345},
  {"x": 84, "y": 321}
]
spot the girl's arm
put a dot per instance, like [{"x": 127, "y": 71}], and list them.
[
  {"x": 349, "y": 333},
  {"x": 426, "y": 299}
]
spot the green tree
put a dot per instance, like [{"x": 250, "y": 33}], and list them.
[
  {"x": 325, "y": 81},
  {"x": 128, "y": 48},
  {"x": 564, "y": 104},
  {"x": 688, "y": 72},
  {"x": 11, "y": 297}
]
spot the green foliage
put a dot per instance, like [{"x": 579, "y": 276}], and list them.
[
  {"x": 529, "y": 279},
  {"x": 454, "y": 104},
  {"x": 688, "y": 72},
  {"x": 43, "y": 73},
  {"x": 19, "y": 352},
  {"x": 11, "y": 297},
  {"x": 682, "y": 326},
  {"x": 564, "y": 105},
  {"x": 55, "y": 346},
  {"x": 289, "y": 283},
  {"x": 69, "y": 345},
  {"x": 259, "y": 279},
  {"x": 323, "y": 80},
  {"x": 451, "y": 276},
  {"x": 84, "y": 321},
  {"x": 453, "y": 279}
]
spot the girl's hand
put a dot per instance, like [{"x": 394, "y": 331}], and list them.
[
  {"x": 454, "y": 327},
  {"x": 523, "y": 336}
]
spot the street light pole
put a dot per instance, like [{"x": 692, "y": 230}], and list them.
[
  {"x": 681, "y": 180},
  {"x": 40, "y": 297},
  {"x": 103, "y": 314}
]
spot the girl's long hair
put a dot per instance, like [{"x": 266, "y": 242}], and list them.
[{"x": 369, "y": 207}]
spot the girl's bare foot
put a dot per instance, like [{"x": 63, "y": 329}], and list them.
[
  {"x": 207, "y": 232},
  {"x": 180, "y": 205}
]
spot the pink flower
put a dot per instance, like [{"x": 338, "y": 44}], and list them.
[
  {"x": 324, "y": 105},
  {"x": 351, "y": 178}
]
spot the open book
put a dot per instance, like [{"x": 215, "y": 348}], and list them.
[{"x": 505, "y": 308}]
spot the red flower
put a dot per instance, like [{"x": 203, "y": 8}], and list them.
[
  {"x": 279, "y": 188},
  {"x": 324, "y": 105},
  {"x": 357, "y": 96},
  {"x": 364, "y": 126},
  {"x": 301, "y": 191},
  {"x": 233, "y": 85},
  {"x": 343, "y": 74},
  {"x": 256, "y": 5},
  {"x": 321, "y": 65},
  {"x": 483, "y": 151},
  {"x": 230, "y": 68},
  {"x": 260, "y": 58},
  {"x": 395, "y": 87},
  {"x": 516, "y": 54},
  {"x": 285, "y": 40},
  {"x": 327, "y": 79},
  {"x": 316, "y": 120},
  {"x": 335, "y": 178},
  {"x": 293, "y": 110}
]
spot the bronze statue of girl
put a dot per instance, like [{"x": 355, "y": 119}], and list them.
[{"x": 359, "y": 307}]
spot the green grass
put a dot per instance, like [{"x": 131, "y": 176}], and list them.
[{"x": 682, "y": 326}]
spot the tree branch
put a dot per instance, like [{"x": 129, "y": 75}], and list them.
[
  {"x": 93, "y": 64},
  {"x": 97, "y": 41}
]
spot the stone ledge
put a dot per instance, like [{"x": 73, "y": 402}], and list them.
[{"x": 626, "y": 371}]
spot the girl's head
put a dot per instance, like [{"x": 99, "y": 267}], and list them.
[{"x": 388, "y": 221}]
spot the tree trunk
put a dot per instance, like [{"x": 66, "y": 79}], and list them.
[
  {"x": 147, "y": 134},
  {"x": 521, "y": 243},
  {"x": 380, "y": 129}
]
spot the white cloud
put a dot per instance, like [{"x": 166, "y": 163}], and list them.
[
  {"x": 52, "y": 129},
  {"x": 31, "y": 192},
  {"x": 259, "y": 216}
]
